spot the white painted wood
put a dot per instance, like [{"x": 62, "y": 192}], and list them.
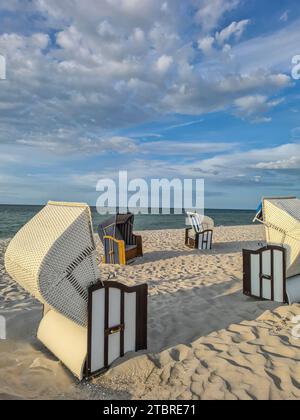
[
  {"x": 205, "y": 237},
  {"x": 113, "y": 348},
  {"x": 209, "y": 243},
  {"x": 266, "y": 263},
  {"x": 278, "y": 276},
  {"x": 130, "y": 322},
  {"x": 97, "y": 345},
  {"x": 293, "y": 290},
  {"x": 266, "y": 271},
  {"x": 255, "y": 280},
  {"x": 114, "y": 307},
  {"x": 114, "y": 320},
  {"x": 267, "y": 289},
  {"x": 200, "y": 241}
]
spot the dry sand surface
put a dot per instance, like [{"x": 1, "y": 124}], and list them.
[{"x": 206, "y": 340}]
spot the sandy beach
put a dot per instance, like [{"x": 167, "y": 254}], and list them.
[{"x": 206, "y": 340}]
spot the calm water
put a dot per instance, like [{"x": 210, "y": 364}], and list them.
[{"x": 12, "y": 218}]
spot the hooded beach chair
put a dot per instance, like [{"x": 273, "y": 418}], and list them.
[
  {"x": 120, "y": 243},
  {"x": 200, "y": 234},
  {"x": 87, "y": 323},
  {"x": 273, "y": 272}
]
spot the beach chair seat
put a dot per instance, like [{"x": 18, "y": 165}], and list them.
[
  {"x": 53, "y": 257},
  {"x": 120, "y": 243},
  {"x": 200, "y": 234}
]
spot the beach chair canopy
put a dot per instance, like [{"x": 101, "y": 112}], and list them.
[
  {"x": 281, "y": 217},
  {"x": 119, "y": 227},
  {"x": 200, "y": 223},
  {"x": 53, "y": 257}
]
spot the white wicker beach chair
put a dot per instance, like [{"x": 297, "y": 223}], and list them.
[
  {"x": 54, "y": 258},
  {"x": 273, "y": 272},
  {"x": 200, "y": 234}
]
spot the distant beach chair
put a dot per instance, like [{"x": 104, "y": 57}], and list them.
[
  {"x": 273, "y": 272},
  {"x": 200, "y": 234},
  {"x": 87, "y": 323},
  {"x": 120, "y": 243}
]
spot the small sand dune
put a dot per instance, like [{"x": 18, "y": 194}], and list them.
[
  {"x": 252, "y": 360},
  {"x": 206, "y": 340}
]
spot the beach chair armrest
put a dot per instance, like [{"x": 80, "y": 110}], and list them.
[
  {"x": 111, "y": 238},
  {"x": 114, "y": 250}
]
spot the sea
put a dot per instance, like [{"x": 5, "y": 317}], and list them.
[{"x": 13, "y": 217}]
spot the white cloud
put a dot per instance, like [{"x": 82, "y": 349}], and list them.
[
  {"x": 235, "y": 29},
  {"x": 206, "y": 44},
  {"x": 252, "y": 107},
  {"x": 291, "y": 163},
  {"x": 119, "y": 65},
  {"x": 199, "y": 95},
  {"x": 273, "y": 51},
  {"x": 164, "y": 63},
  {"x": 210, "y": 11},
  {"x": 64, "y": 141},
  {"x": 285, "y": 16}
]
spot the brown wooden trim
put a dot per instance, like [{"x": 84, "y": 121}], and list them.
[
  {"x": 90, "y": 322},
  {"x": 284, "y": 277},
  {"x": 122, "y": 323},
  {"x": 142, "y": 317},
  {"x": 272, "y": 276},
  {"x": 187, "y": 235},
  {"x": 246, "y": 272},
  {"x": 139, "y": 244},
  {"x": 260, "y": 274},
  {"x": 106, "y": 327}
]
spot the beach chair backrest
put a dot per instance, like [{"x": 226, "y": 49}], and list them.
[
  {"x": 109, "y": 228},
  {"x": 195, "y": 221},
  {"x": 53, "y": 257},
  {"x": 125, "y": 224},
  {"x": 265, "y": 273}
]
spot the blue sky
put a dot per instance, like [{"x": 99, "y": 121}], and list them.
[{"x": 161, "y": 88}]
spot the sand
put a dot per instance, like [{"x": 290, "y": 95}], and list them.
[{"x": 206, "y": 340}]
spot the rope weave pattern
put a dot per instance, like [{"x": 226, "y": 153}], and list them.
[
  {"x": 54, "y": 258},
  {"x": 282, "y": 222}
]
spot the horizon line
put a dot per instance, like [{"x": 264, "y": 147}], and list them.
[{"x": 160, "y": 208}]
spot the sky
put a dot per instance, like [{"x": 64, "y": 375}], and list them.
[{"x": 159, "y": 88}]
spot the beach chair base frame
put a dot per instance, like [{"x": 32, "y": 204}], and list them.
[
  {"x": 117, "y": 324},
  {"x": 264, "y": 274},
  {"x": 202, "y": 241}
]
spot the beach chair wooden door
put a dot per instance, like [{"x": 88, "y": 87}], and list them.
[
  {"x": 117, "y": 323},
  {"x": 265, "y": 273}
]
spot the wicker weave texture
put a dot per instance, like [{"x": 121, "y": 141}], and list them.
[
  {"x": 53, "y": 257},
  {"x": 282, "y": 222}
]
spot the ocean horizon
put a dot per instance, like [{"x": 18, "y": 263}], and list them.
[{"x": 14, "y": 216}]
